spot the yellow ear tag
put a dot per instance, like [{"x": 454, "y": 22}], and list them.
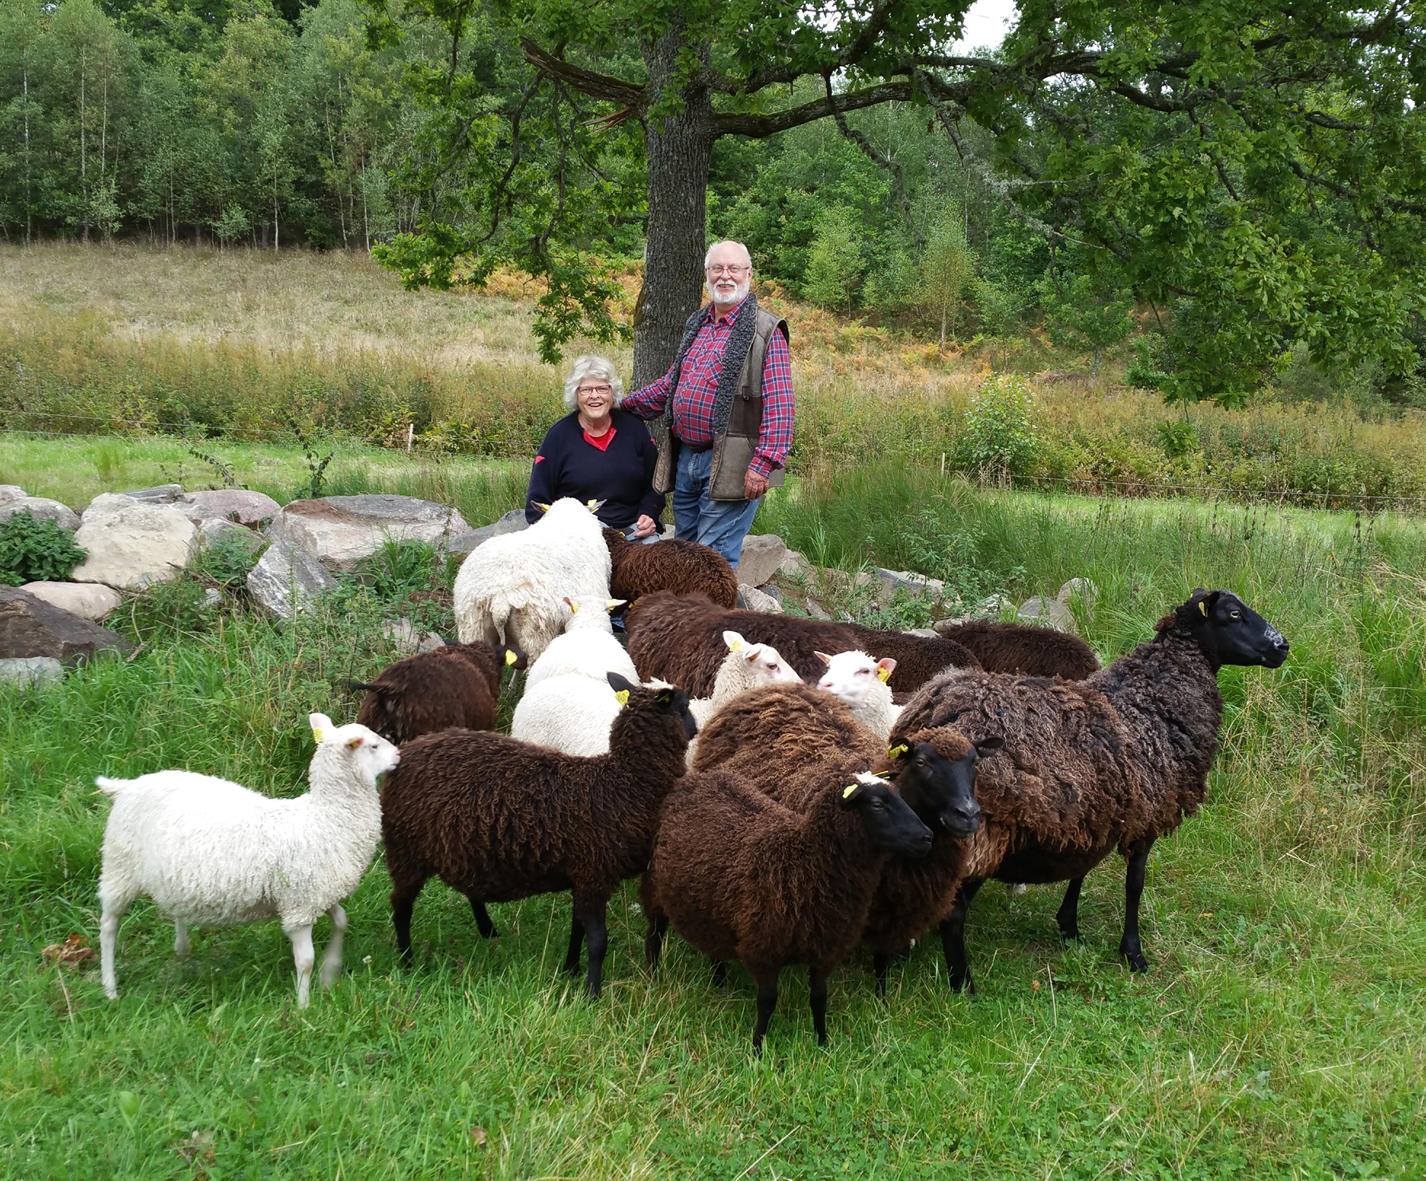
[
  {"x": 849, "y": 791},
  {"x": 510, "y": 657},
  {"x": 1203, "y": 608},
  {"x": 896, "y": 751},
  {"x": 317, "y": 735},
  {"x": 883, "y": 674},
  {"x": 621, "y": 696},
  {"x": 736, "y": 646}
]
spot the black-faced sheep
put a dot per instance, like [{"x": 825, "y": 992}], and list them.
[
  {"x": 455, "y": 685},
  {"x": 681, "y": 567},
  {"x": 1116, "y": 760},
  {"x": 1025, "y": 649},
  {"x": 743, "y": 877},
  {"x": 499, "y": 819},
  {"x": 679, "y": 638}
]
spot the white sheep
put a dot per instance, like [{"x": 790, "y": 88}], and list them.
[
  {"x": 510, "y": 589},
  {"x": 573, "y": 712},
  {"x": 862, "y": 682},
  {"x": 587, "y": 644},
  {"x": 212, "y": 853}
]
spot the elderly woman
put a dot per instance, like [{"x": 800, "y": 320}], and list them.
[{"x": 598, "y": 452}]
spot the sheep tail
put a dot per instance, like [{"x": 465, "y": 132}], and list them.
[
  {"x": 111, "y": 787},
  {"x": 371, "y": 688}
]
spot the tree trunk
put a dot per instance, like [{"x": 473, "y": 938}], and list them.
[
  {"x": 83, "y": 148},
  {"x": 29, "y": 200},
  {"x": 679, "y": 148}
]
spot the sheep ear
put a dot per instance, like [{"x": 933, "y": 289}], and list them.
[
  {"x": 850, "y": 791},
  {"x": 353, "y": 743},
  {"x": 618, "y": 683},
  {"x": 594, "y": 505},
  {"x": 734, "y": 641},
  {"x": 572, "y": 605},
  {"x": 622, "y": 697},
  {"x": 321, "y": 725},
  {"x": 541, "y": 505},
  {"x": 664, "y": 696},
  {"x": 898, "y": 751},
  {"x": 988, "y": 746},
  {"x": 884, "y": 668},
  {"x": 822, "y": 656},
  {"x": 614, "y": 604}
]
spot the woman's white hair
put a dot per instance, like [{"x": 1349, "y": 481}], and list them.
[{"x": 590, "y": 365}]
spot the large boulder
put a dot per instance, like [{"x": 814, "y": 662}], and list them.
[
  {"x": 511, "y": 522},
  {"x": 88, "y": 600},
  {"x": 215, "y": 529},
  {"x": 287, "y": 578},
  {"x": 750, "y": 598},
  {"x": 762, "y": 554},
  {"x": 9, "y": 492},
  {"x": 41, "y": 508},
  {"x": 32, "y": 627},
  {"x": 339, "y": 531},
  {"x": 231, "y": 504},
  {"x": 160, "y": 494},
  {"x": 908, "y": 582},
  {"x": 1047, "y": 612},
  {"x": 133, "y": 545},
  {"x": 31, "y": 672}
]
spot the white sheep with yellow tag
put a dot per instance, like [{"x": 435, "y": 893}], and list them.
[
  {"x": 863, "y": 682},
  {"x": 210, "y": 852}
]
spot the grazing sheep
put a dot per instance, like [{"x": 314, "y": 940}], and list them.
[
  {"x": 499, "y": 819},
  {"x": 510, "y": 589},
  {"x": 209, "y": 852},
  {"x": 1116, "y": 760},
  {"x": 861, "y": 681},
  {"x": 1025, "y": 649},
  {"x": 741, "y": 876},
  {"x": 679, "y": 638},
  {"x": 586, "y": 646},
  {"x": 455, "y": 685},
  {"x": 683, "y": 567}
]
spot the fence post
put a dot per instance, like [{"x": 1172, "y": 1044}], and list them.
[{"x": 410, "y": 436}]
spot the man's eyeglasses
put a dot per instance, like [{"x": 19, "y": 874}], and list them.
[
  {"x": 596, "y": 389},
  {"x": 729, "y": 269}
]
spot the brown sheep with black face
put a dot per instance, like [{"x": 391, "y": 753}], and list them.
[{"x": 680, "y": 567}]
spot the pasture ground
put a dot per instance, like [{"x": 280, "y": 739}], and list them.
[{"x": 1278, "y": 1033}]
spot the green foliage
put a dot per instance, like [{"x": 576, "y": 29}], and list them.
[
  {"x": 229, "y": 559},
  {"x": 998, "y": 435},
  {"x": 1080, "y": 316},
  {"x": 35, "y": 550},
  {"x": 835, "y": 264},
  {"x": 165, "y": 611},
  {"x": 947, "y": 271}
]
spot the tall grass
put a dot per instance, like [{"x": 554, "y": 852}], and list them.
[{"x": 1278, "y": 1033}]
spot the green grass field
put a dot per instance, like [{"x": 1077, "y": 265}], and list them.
[{"x": 1278, "y": 1033}]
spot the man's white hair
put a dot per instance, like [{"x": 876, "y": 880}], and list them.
[
  {"x": 590, "y": 365},
  {"x": 747, "y": 258}
]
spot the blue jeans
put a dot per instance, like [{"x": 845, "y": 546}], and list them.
[{"x": 719, "y": 524}]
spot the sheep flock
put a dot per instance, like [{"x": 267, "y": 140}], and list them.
[{"x": 786, "y": 790}]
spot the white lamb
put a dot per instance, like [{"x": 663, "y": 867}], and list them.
[
  {"x": 510, "y": 590},
  {"x": 212, "y": 853},
  {"x": 861, "y": 682},
  {"x": 587, "y": 645}
]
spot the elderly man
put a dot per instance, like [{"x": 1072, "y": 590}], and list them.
[{"x": 724, "y": 409}]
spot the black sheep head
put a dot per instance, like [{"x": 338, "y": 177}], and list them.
[
  {"x": 666, "y": 699},
  {"x": 887, "y": 818},
  {"x": 1228, "y": 631},
  {"x": 934, "y": 770}
]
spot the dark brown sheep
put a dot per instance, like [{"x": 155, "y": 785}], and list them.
[
  {"x": 682, "y": 567},
  {"x": 918, "y": 658},
  {"x": 1116, "y": 760},
  {"x": 455, "y": 685},
  {"x": 743, "y": 877},
  {"x": 499, "y": 819},
  {"x": 680, "y": 639},
  {"x": 1025, "y": 649}
]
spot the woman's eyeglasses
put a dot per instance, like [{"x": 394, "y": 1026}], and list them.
[{"x": 596, "y": 389}]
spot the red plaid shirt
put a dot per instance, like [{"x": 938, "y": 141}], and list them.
[{"x": 698, "y": 385}]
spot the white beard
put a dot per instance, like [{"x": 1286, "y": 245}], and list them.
[{"x": 740, "y": 292}]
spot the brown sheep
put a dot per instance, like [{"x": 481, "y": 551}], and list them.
[
  {"x": 499, "y": 819},
  {"x": 1025, "y": 649},
  {"x": 683, "y": 567},
  {"x": 680, "y": 639},
  {"x": 1116, "y": 760},
  {"x": 454, "y": 685},
  {"x": 743, "y": 877}
]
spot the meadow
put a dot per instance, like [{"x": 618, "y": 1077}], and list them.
[{"x": 1277, "y": 1034}]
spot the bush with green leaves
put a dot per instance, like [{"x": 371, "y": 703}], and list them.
[
  {"x": 35, "y": 550},
  {"x": 229, "y": 559},
  {"x": 998, "y": 434}
]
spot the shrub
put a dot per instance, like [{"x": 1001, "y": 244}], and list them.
[
  {"x": 167, "y": 609},
  {"x": 997, "y": 435},
  {"x": 35, "y": 550},
  {"x": 228, "y": 561}
]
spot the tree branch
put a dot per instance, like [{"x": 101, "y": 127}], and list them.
[
  {"x": 762, "y": 126},
  {"x": 588, "y": 82}
]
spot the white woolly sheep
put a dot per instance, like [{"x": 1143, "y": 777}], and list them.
[
  {"x": 212, "y": 853},
  {"x": 861, "y": 681},
  {"x": 586, "y": 646},
  {"x": 510, "y": 589}
]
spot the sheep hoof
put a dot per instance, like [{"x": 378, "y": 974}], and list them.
[
  {"x": 1137, "y": 962},
  {"x": 1070, "y": 931}
]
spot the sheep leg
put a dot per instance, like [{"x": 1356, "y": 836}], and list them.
[
  {"x": 953, "y": 939},
  {"x": 332, "y": 957},
  {"x": 180, "y": 938},
  {"x": 576, "y": 941},
  {"x": 303, "y": 958},
  {"x": 403, "y": 902},
  {"x": 113, "y": 907},
  {"x": 1129, "y": 946},
  {"x": 1067, "y": 917},
  {"x": 653, "y": 941},
  {"x": 766, "y": 979},
  {"x": 483, "y": 923},
  {"x": 720, "y": 973},
  {"x": 596, "y": 939},
  {"x": 817, "y": 980}
]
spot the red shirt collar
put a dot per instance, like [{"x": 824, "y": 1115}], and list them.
[
  {"x": 711, "y": 314},
  {"x": 601, "y": 441}
]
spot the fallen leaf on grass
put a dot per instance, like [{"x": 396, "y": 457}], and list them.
[
  {"x": 74, "y": 951},
  {"x": 197, "y": 1148},
  {"x": 477, "y": 1133}
]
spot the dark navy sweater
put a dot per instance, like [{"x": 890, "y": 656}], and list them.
[{"x": 621, "y": 475}]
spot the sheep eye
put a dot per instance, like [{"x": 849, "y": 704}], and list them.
[{"x": 1235, "y": 614}]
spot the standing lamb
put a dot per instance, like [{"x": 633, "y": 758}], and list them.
[
  {"x": 209, "y": 852},
  {"x": 587, "y": 645},
  {"x": 510, "y": 589},
  {"x": 741, "y": 876},
  {"x": 861, "y": 681},
  {"x": 682, "y": 567},
  {"x": 499, "y": 819},
  {"x": 454, "y": 685},
  {"x": 679, "y": 638},
  {"x": 1118, "y": 759}
]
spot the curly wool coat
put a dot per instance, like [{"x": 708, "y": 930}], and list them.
[
  {"x": 1025, "y": 649},
  {"x": 680, "y": 567},
  {"x": 456, "y": 685}
]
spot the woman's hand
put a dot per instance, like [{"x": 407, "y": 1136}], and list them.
[{"x": 644, "y": 525}]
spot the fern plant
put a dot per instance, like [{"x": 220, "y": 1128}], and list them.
[{"x": 35, "y": 550}]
